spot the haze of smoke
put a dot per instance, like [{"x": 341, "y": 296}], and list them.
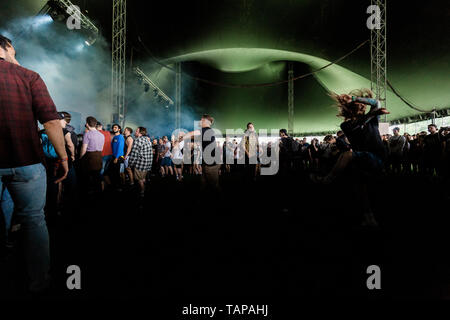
[
  {"x": 144, "y": 109},
  {"x": 78, "y": 77}
]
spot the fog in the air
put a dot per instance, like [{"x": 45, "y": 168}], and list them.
[{"x": 78, "y": 76}]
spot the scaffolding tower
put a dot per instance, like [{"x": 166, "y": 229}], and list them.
[
  {"x": 178, "y": 95},
  {"x": 119, "y": 27},
  {"x": 290, "y": 98},
  {"x": 378, "y": 66}
]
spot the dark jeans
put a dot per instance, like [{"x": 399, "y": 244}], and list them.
[{"x": 27, "y": 186}]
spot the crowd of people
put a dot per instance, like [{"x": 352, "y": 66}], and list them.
[
  {"x": 42, "y": 171},
  {"x": 119, "y": 159},
  {"x": 424, "y": 153}
]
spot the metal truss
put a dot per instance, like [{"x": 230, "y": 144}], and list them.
[
  {"x": 178, "y": 95},
  {"x": 119, "y": 59},
  {"x": 290, "y": 98},
  {"x": 155, "y": 88},
  {"x": 378, "y": 69},
  {"x": 84, "y": 21}
]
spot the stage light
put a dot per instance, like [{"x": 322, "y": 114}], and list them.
[
  {"x": 146, "y": 87},
  {"x": 57, "y": 15},
  {"x": 42, "y": 20},
  {"x": 91, "y": 39},
  {"x": 59, "y": 10},
  {"x": 157, "y": 92}
]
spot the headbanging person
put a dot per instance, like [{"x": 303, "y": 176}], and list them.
[{"x": 367, "y": 153}]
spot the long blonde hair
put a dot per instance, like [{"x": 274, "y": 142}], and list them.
[{"x": 348, "y": 110}]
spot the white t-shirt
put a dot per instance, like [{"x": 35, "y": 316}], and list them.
[
  {"x": 177, "y": 151},
  {"x": 167, "y": 145}
]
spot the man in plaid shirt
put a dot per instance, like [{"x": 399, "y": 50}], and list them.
[
  {"x": 141, "y": 157},
  {"x": 24, "y": 100}
]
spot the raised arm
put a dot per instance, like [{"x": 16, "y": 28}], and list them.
[
  {"x": 374, "y": 103},
  {"x": 191, "y": 134}
]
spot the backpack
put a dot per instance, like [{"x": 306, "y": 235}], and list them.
[{"x": 47, "y": 146}]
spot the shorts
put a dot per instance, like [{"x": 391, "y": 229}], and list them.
[
  {"x": 140, "y": 175},
  {"x": 367, "y": 161},
  {"x": 166, "y": 161}
]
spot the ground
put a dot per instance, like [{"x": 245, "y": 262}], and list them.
[{"x": 276, "y": 237}]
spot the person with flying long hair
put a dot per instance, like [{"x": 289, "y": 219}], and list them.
[{"x": 367, "y": 153}]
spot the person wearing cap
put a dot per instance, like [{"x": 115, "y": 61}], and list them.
[
  {"x": 24, "y": 100},
  {"x": 67, "y": 189}
]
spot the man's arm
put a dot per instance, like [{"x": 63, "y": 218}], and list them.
[
  {"x": 45, "y": 111},
  {"x": 54, "y": 132},
  {"x": 374, "y": 103},
  {"x": 191, "y": 134},
  {"x": 130, "y": 145},
  {"x": 121, "y": 144},
  {"x": 70, "y": 145},
  {"x": 83, "y": 150}
]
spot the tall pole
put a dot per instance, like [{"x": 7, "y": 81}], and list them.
[
  {"x": 378, "y": 70},
  {"x": 290, "y": 98},
  {"x": 119, "y": 27},
  {"x": 178, "y": 96}
]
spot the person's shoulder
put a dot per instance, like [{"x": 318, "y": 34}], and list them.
[
  {"x": 345, "y": 124},
  {"x": 22, "y": 71}
]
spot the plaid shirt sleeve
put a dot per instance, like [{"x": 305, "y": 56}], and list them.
[
  {"x": 43, "y": 106},
  {"x": 24, "y": 100}
]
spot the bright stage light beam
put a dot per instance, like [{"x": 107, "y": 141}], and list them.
[{"x": 42, "y": 20}]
